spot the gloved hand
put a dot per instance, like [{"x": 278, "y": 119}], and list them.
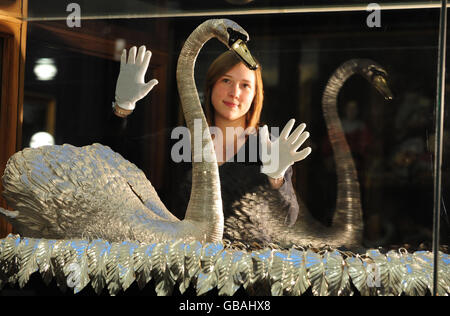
[
  {"x": 282, "y": 152},
  {"x": 130, "y": 86}
]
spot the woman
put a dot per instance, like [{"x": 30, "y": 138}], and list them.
[{"x": 255, "y": 191}]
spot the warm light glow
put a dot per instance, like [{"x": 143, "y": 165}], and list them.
[
  {"x": 45, "y": 69},
  {"x": 41, "y": 139}
]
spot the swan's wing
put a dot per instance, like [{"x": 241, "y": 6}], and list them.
[
  {"x": 66, "y": 191},
  {"x": 136, "y": 180}
]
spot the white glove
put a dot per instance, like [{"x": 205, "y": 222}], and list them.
[
  {"x": 130, "y": 86},
  {"x": 282, "y": 152}
]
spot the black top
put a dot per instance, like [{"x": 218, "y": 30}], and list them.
[{"x": 249, "y": 201}]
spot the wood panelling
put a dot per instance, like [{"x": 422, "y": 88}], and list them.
[
  {"x": 14, "y": 8},
  {"x": 13, "y": 33}
]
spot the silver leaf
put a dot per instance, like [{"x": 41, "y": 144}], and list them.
[
  {"x": 397, "y": 272},
  {"x": 26, "y": 254},
  {"x": 302, "y": 283},
  {"x": 316, "y": 273},
  {"x": 126, "y": 264},
  {"x": 143, "y": 264},
  {"x": 161, "y": 273},
  {"x": 358, "y": 274},
  {"x": 96, "y": 259},
  {"x": 416, "y": 281},
  {"x": 380, "y": 272},
  {"x": 336, "y": 274},
  {"x": 207, "y": 278}
]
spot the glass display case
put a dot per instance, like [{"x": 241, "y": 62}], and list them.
[{"x": 72, "y": 62}]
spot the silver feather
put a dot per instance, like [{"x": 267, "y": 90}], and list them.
[
  {"x": 302, "y": 283},
  {"x": 112, "y": 269},
  {"x": 229, "y": 277},
  {"x": 96, "y": 255},
  {"x": 207, "y": 277},
  {"x": 192, "y": 254},
  {"x": 380, "y": 273},
  {"x": 61, "y": 256},
  {"x": 425, "y": 260},
  {"x": 176, "y": 262},
  {"x": 161, "y": 274},
  {"x": 358, "y": 274},
  {"x": 8, "y": 261},
  {"x": 280, "y": 279},
  {"x": 27, "y": 258},
  {"x": 335, "y": 275},
  {"x": 126, "y": 264},
  {"x": 316, "y": 273},
  {"x": 396, "y": 272},
  {"x": 416, "y": 281},
  {"x": 288, "y": 274},
  {"x": 244, "y": 269},
  {"x": 143, "y": 264},
  {"x": 262, "y": 262}
]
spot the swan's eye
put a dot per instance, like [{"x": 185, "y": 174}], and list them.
[{"x": 378, "y": 72}]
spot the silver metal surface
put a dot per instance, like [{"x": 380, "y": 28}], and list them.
[{"x": 113, "y": 267}]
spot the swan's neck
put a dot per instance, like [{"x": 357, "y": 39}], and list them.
[
  {"x": 348, "y": 214},
  {"x": 205, "y": 204}
]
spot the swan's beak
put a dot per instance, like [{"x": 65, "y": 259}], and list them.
[
  {"x": 240, "y": 48},
  {"x": 381, "y": 85}
]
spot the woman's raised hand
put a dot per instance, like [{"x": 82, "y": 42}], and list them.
[
  {"x": 131, "y": 86},
  {"x": 278, "y": 155}
]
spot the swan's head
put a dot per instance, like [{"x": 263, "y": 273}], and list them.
[
  {"x": 378, "y": 76},
  {"x": 235, "y": 38}
]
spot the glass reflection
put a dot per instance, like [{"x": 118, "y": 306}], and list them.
[{"x": 391, "y": 143}]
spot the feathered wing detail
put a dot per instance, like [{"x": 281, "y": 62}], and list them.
[{"x": 77, "y": 190}]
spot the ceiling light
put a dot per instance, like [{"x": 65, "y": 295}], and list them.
[
  {"x": 41, "y": 139},
  {"x": 45, "y": 69}
]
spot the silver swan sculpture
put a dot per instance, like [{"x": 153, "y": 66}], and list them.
[
  {"x": 118, "y": 205},
  {"x": 348, "y": 214},
  {"x": 347, "y": 226},
  {"x": 92, "y": 192}
]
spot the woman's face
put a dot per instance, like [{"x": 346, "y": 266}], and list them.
[{"x": 232, "y": 95}]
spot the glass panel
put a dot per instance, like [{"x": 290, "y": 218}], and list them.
[{"x": 391, "y": 141}]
